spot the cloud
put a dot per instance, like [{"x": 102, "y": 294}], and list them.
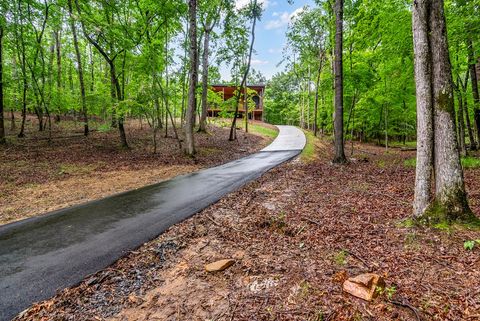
[
  {"x": 242, "y": 3},
  {"x": 282, "y": 19},
  {"x": 259, "y": 62},
  {"x": 274, "y": 50}
]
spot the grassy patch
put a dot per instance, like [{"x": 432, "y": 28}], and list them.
[
  {"x": 208, "y": 151},
  {"x": 470, "y": 162},
  {"x": 340, "y": 258},
  {"x": 410, "y": 144},
  {"x": 467, "y": 162},
  {"x": 309, "y": 152},
  {"x": 262, "y": 130},
  {"x": 75, "y": 169},
  {"x": 411, "y": 162}
]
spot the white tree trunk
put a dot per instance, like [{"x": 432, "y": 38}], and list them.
[
  {"x": 423, "y": 76},
  {"x": 449, "y": 182},
  {"x": 192, "y": 101},
  {"x": 437, "y": 144}
]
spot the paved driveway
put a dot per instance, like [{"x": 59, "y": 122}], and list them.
[{"x": 41, "y": 255}]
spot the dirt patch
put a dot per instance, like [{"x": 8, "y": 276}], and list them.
[
  {"x": 50, "y": 196},
  {"x": 37, "y": 176},
  {"x": 296, "y": 234}
]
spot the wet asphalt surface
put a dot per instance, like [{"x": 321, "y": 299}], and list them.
[{"x": 44, "y": 254}]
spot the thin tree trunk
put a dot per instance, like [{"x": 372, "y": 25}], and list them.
[
  {"x": 474, "y": 80},
  {"x": 92, "y": 70},
  {"x": 423, "y": 78},
  {"x": 78, "y": 55},
  {"x": 59, "y": 59},
  {"x": 206, "y": 44},
  {"x": 308, "y": 98},
  {"x": 2, "y": 124},
  {"x": 338, "y": 119},
  {"x": 20, "y": 44},
  {"x": 117, "y": 90},
  {"x": 471, "y": 136},
  {"x": 460, "y": 122},
  {"x": 233, "y": 128},
  {"x": 192, "y": 99},
  {"x": 317, "y": 89}
]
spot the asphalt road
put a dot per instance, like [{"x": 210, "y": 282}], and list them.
[{"x": 41, "y": 255}]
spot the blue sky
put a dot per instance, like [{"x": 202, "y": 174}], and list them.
[{"x": 270, "y": 34}]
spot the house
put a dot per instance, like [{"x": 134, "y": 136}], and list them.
[{"x": 228, "y": 92}]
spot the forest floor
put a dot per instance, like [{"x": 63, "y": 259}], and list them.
[
  {"x": 37, "y": 176},
  {"x": 295, "y": 234}
]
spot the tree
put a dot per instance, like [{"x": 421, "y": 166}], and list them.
[
  {"x": 78, "y": 55},
  {"x": 192, "y": 100},
  {"x": 2, "y": 125},
  {"x": 338, "y": 119},
  {"x": 116, "y": 38},
  {"x": 254, "y": 12},
  {"x": 308, "y": 35},
  {"x": 210, "y": 17},
  {"x": 475, "y": 93},
  {"x": 438, "y": 155}
]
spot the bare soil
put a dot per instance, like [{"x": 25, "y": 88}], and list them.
[
  {"x": 37, "y": 176},
  {"x": 296, "y": 234}
]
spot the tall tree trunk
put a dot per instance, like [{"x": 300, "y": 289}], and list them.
[
  {"x": 436, "y": 134},
  {"x": 471, "y": 136},
  {"x": 338, "y": 119},
  {"x": 460, "y": 120},
  {"x": 92, "y": 70},
  {"x": 474, "y": 80},
  {"x": 233, "y": 128},
  {"x": 206, "y": 44},
  {"x": 121, "y": 117},
  {"x": 15, "y": 99},
  {"x": 2, "y": 124},
  {"x": 450, "y": 193},
  {"x": 192, "y": 99},
  {"x": 20, "y": 45},
  {"x": 80, "y": 69},
  {"x": 315, "y": 108},
  {"x": 59, "y": 59},
  {"x": 245, "y": 106},
  {"x": 317, "y": 89},
  {"x": 423, "y": 78}
]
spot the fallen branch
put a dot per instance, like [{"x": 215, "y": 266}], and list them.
[
  {"x": 390, "y": 197},
  {"x": 359, "y": 258},
  {"x": 407, "y": 305},
  {"x": 311, "y": 221}
]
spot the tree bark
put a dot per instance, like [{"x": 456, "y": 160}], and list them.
[
  {"x": 206, "y": 44},
  {"x": 59, "y": 58},
  {"x": 474, "y": 80},
  {"x": 192, "y": 99},
  {"x": 338, "y": 119},
  {"x": 450, "y": 192},
  {"x": 78, "y": 55},
  {"x": 423, "y": 78},
  {"x": 460, "y": 120},
  {"x": 233, "y": 128},
  {"x": 20, "y": 44},
  {"x": 436, "y": 133},
  {"x": 2, "y": 124},
  {"x": 315, "y": 108}
]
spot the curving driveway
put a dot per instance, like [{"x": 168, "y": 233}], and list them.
[{"x": 41, "y": 255}]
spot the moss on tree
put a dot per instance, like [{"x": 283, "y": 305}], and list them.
[{"x": 449, "y": 213}]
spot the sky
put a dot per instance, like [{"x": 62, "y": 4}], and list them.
[{"x": 270, "y": 34}]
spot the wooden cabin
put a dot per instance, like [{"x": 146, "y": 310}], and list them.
[{"x": 228, "y": 92}]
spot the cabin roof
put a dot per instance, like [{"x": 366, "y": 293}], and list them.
[{"x": 233, "y": 86}]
